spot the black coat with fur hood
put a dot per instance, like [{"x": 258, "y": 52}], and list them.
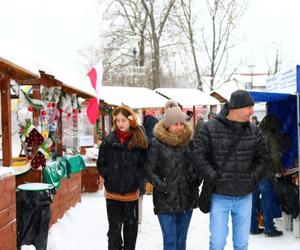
[
  {"x": 169, "y": 168},
  {"x": 121, "y": 168}
]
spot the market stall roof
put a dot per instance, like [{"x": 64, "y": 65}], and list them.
[
  {"x": 258, "y": 96},
  {"x": 17, "y": 64},
  {"x": 80, "y": 85},
  {"x": 133, "y": 97},
  {"x": 264, "y": 96},
  {"x": 187, "y": 97}
]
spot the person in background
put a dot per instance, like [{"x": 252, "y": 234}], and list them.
[
  {"x": 270, "y": 127},
  {"x": 254, "y": 120},
  {"x": 169, "y": 168},
  {"x": 149, "y": 122},
  {"x": 211, "y": 115},
  {"x": 232, "y": 179},
  {"x": 120, "y": 163}
]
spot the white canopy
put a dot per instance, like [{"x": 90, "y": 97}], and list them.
[
  {"x": 188, "y": 97},
  {"x": 133, "y": 97},
  {"x": 18, "y": 59}
]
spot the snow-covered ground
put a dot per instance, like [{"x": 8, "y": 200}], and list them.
[{"x": 84, "y": 227}]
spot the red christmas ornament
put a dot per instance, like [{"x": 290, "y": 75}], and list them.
[
  {"x": 44, "y": 113},
  {"x": 49, "y": 105},
  {"x": 53, "y": 104},
  {"x": 30, "y": 108}
]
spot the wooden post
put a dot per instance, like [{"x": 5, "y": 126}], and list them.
[
  {"x": 36, "y": 94},
  {"x": 6, "y": 121}
]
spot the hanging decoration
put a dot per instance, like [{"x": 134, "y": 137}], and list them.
[
  {"x": 34, "y": 144},
  {"x": 24, "y": 97},
  {"x": 104, "y": 108}
]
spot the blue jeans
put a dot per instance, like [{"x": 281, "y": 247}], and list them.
[
  {"x": 174, "y": 227},
  {"x": 240, "y": 210},
  {"x": 265, "y": 188}
]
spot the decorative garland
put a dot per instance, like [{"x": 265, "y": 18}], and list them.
[{"x": 104, "y": 108}]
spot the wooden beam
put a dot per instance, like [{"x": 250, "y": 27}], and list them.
[
  {"x": 6, "y": 121},
  {"x": 36, "y": 94}
]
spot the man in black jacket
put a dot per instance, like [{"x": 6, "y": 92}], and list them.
[{"x": 231, "y": 155}]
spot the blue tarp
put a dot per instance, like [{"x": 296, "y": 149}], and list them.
[
  {"x": 284, "y": 107},
  {"x": 262, "y": 96}
]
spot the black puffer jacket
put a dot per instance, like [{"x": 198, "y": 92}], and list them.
[
  {"x": 239, "y": 175},
  {"x": 169, "y": 168},
  {"x": 121, "y": 168}
]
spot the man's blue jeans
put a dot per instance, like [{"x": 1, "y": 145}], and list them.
[
  {"x": 268, "y": 205},
  {"x": 174, "y": 227},
  {"x": 240, "y": 210}
]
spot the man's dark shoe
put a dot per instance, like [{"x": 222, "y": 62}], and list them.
[
  {"x": 257, "y": 231},
  {"x": 274, "y": 233}
]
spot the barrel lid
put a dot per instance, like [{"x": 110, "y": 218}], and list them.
[{"x": 34, "y": 186}]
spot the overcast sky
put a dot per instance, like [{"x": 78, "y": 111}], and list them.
[{"x": 54, "y": 30}]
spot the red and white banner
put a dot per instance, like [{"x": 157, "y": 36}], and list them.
[{"x": 95, "y": 75}]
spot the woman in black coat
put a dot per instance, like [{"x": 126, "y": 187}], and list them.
[
  {"x": 120, "y": 164},
  {"x": 175, "y": 187}
]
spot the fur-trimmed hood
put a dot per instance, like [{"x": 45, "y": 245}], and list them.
[{"x": 162, "y": 134}]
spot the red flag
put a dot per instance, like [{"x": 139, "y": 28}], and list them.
[{"x": 92, "y": 109}]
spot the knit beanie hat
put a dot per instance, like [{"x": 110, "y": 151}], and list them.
[
  {"x": 131, "y": 117},
  {"x": 240, "y": 99},
  {"x": 172, "y": 116},
  {"x": 171, "y": 104}
]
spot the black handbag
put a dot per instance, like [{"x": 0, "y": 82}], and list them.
[{"x": 208, "y": 188}]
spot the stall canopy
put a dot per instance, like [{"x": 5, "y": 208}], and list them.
[
  {"x": 187, "y": 97},
  {"x": 133, "y": 97},
  {"x": 264, "y": 96},
  {"x": 17, "y": 64}
]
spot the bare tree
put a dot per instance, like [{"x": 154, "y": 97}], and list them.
[
  {"x": 183, "y": 18},
  {"x": 217, "y": 37},
  {"x": 274, "y": 66},
  {"x": 157, "y": 19}
]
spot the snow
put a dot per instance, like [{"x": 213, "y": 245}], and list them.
[{"x": 85, "y": 227}]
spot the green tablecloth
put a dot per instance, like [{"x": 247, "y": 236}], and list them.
[
  {"x": 74, "y": 163},
  {"x": 64, "y": 167},
  {"x": 54, "y": 172}
]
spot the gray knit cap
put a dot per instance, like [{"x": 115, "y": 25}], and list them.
[{"x": 172, "y": 116}]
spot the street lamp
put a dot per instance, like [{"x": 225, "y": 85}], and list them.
[
  {"x": 251, "y": 67},
  {"x": 134, "y": 46}
]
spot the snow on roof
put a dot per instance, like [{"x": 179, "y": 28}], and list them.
[
  {"x": 133, "y": 97},
  {"x": 188, "y": 97},
  {"x": 79, "y": 83},
  {"x": 18, "y": 59}
]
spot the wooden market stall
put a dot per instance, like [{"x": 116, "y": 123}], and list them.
[
  {"x": 10, "y": 69},
  {"x": 61, "y": 108}
]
